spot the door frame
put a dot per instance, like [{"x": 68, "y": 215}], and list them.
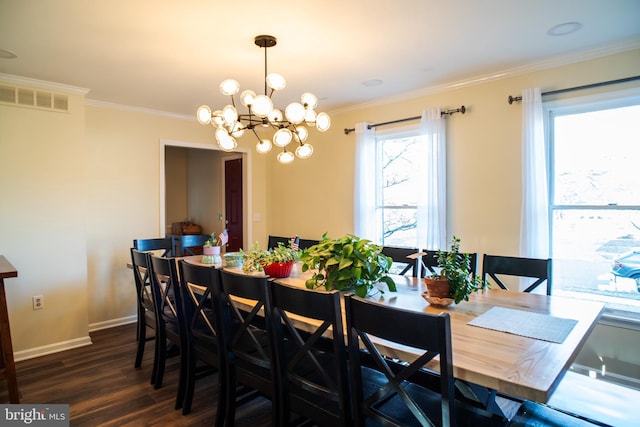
[{"x": 246, "y": 155}]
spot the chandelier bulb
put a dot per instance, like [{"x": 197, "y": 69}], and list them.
[
  {"x": 304, "y": 151},
  {"x": 309, "y": 100},
  {"x": 323, "y": 122},
  {"x": 276, "y": 82},
  {"x": 247, "y": 97},
  {"x": 282, "y": 137},
  {"x": 229, "y": 87},
  {"x": 285, "y": 157},
  {"x": 294, "y": 113},
  {"x": 203, "y": 114},
  {"x": 262, "y": 105},
  {"x": 263, "y": 146}
]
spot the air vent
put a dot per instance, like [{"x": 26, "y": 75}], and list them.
[
  {"x": 40, "y": 99},
  {"x": 7, "y": 94}
]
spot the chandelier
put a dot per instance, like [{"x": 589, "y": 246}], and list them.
[{"x": 288, "y": 127}]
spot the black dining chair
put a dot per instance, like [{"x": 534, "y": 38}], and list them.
[
  {"x": 307, "y": 243},
  {"x": 191, "y": 244},
  {"x": 248, "y": 350},
  {"x": 430, "y": 262},
  {"x": 171, "y": 335},
  {"x": 164, "y": 245},
  {"x": 404, "y": 260},
  {"x": 200, "y": 288},
  {"x": 311, "y": 362},
  {"x": 145, "y": 306},
  {"x": 384, "y": 395},
  {"x": 273, "y": 241},
  {"x": 495, "y": 267}
]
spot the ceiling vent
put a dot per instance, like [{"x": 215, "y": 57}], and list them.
[{"x": 33, "y": 98}]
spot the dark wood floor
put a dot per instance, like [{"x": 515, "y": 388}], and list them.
[{"x": 103, "y": 388}]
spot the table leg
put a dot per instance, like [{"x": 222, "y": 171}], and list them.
[{"x": 7, "y": 349}]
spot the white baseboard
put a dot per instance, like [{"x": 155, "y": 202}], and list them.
[
  {"x": 112, "y": 323},
  {"x": 75, "y": 343},
  {"x": 51, "y": 348}
]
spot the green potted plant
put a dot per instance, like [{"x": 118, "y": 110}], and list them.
[
  {"x": 455, "y": 281},
  {"x": 276, "y": 262},
  {"x": 347, "y": 263},
  {"x": 211, "y": 251}
]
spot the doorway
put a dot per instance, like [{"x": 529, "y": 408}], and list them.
[{"x": 208, "y": 208}]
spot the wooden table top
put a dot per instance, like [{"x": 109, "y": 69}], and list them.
[
  {"x": 516, "y": 365},
  {"x": 6, "y": 269}
]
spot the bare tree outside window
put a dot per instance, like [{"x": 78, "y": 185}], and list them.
[{"x": 400, "y": 166}]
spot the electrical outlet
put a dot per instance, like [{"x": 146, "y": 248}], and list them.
[{"x": 38, "y": 302}]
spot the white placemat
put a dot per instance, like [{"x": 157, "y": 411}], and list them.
[{"x": 525, "y": 323}]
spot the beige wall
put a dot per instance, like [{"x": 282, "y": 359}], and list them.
[
  {"x": 77, "y": 188},
  {"x": 43, "y": 222},
  {"x": 483, "y": 158}
]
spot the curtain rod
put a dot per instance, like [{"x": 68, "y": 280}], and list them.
[
  {"x": 513, "y": 99},
  {"x": 449, "y": 112}
]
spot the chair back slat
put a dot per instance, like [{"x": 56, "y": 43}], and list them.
[
  {"x": 191, "y": 244},
  {"x": 164, "y": 244},
  {"x": 495, "y": 266}
]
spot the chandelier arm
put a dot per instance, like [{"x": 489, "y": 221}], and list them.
[{"x": 256, "y": 134}]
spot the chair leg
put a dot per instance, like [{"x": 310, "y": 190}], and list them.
[
  {"x": 142, "y": 339},
  {"x": 159, "y": 359},
  {"x": 230, "y": 396},
  {"x": 189, "y": 383},
  {"x": 182, "y": 376}
]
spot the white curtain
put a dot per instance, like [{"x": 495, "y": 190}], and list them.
[
  {"x": 534, "y": 224},
  {"x": 364, "y": 209},
  {"x": 432, "y": 209}
]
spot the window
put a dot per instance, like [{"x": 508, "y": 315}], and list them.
[
  {"x": 594, "y": 199},
  {"x": 399, "y": 159}
]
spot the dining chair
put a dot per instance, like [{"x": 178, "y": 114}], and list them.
[
  {"x": 495, "y": 267},
  {"x": 191, "y": 244},
  {"x": 145, "y": 306},
  {"x": 171, "y": 335},
  {"x": 274, "y": 240},
  {"x": 430, "y": 262},
  {"x": 200, "y": 288},
  {"x": 311, "y": 369},
  {"x": 402, "y": 264},
  {"x": 163, "y": 244},
  {"x": 246, "y": 336},
  {"x": 307, "y": 243},
  {"x": 386, "y": 395}
]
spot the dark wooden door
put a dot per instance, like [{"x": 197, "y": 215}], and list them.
[{"x": 233, "y": 203}]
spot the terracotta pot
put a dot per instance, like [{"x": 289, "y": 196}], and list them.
[
  {"x": 438, "y": 287},
  {"x": 438, "y": 292}
]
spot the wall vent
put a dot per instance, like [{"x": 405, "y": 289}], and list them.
[{"x": 31, "y": 98}]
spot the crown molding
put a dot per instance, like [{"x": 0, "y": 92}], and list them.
[
  {"x": 42, "y": 84},
  {"x": 546, "y": 64},
  {"x": 130, "y": 109}
]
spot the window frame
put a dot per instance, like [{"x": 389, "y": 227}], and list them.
[
  {"x": 576, "y": 105},
  {"x": 381, "y": 136}
]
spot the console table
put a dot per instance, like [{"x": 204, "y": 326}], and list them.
[{"x": 7, "y": 363}]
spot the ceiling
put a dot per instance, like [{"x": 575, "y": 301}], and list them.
[{"x": 171, "y": 55}]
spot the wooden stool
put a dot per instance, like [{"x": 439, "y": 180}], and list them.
[{"x": 7, "y": 364}]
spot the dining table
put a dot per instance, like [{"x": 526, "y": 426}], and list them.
[{"x": 515, "y": 362}]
